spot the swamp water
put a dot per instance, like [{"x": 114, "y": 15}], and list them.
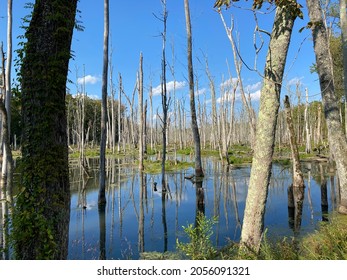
[{"x": 142, "y": 219}]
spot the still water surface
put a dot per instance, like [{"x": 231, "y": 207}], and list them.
[{"x": 139, "y": 219}]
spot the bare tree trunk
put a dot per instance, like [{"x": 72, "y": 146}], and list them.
[
  {"x": 337, "y": 140},
  {"x": 214, "y": 130},
  {"x": 102, "y": 183},
  {"x": 119, "y": 112},
  {"x": 6, "y": 139},
  {"x": 82, "y": 101},
  {"x": 238, "y": 66},
  {"x": 319, "y": 125},
  {"x": 343, "y": 24},
  {"x": 308, "y": 134},
  {"x": 9, "y": 64},
  {"x": 266, "y": 127},
  {"x": 113, "y": 114},
  {"x": 141, "y": 120},
  {"x": 195, "y": 129},
  {"x": 298, "y": 95},
  {"x": 164, "y": 99},
  {"x": 7, "y": 167},
  {"x": 151, "y": 115},
  {"x": 298, "y": 180}
]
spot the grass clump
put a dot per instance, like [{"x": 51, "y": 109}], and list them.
[
  {"x": 329, "y": 242},
  {"x": 154, "y": 167}
]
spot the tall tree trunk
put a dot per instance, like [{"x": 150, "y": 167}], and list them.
[
  {"x": 119, "y": 112},
  {"x": 298, "y": 180},
  {"x": 238, "y": 66},
  {"x": 9, "y": 64},
  {"x": 7, "y": 170},
  {"x": 195, "y": 129},
  {"x": 140, "y": 116},
  {"x": 6, "y": 139},
  {"x": 164, "y": 99},
  {"x": 102, "y": 183},
  {"x": 42, "y": 211},
  {"x": 336, "y": 138},
  {"x": 307, "y": 128},
  {"x": 266, "y": 127},
  {"x": 343, "y": 24}
]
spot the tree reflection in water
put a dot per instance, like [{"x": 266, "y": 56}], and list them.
[{"x": 140, "y": 217}]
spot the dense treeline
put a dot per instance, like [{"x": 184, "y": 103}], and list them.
[{"x": 83, "y": 118}]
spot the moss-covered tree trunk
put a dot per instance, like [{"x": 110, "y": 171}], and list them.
[
  {"x": 42, "y": 212},
  {"x": 343, "y": 24},
  {"x": 336, "y": 137},
  {"x": 265, "y": 135}
]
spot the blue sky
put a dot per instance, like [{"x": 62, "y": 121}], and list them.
[{"x": 135, "y": 29}]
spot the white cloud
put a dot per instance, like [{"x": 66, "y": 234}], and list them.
[
  {"x": 253, "y": 87},
  {"x": 255, "y": 96},
  {"x": 89, "y": 79},
  {"x": 253, "y": 90},
  {"x": 232, "y": 82},
  {"x": 170, "y": 86},
  {"x": 294, "y": 81},
  {"x": 201, "y": 91}
]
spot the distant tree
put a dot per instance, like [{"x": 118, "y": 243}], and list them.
[{"x": 40, "y": 221}]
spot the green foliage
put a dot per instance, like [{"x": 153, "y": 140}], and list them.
[
  {"x": 39, "y": 217},
  {"x": 154, "y": 167},
  {"x": 292, "y": 6},
  {"x": 37, "y": 231},
  {"x": 200, "y": 246}
]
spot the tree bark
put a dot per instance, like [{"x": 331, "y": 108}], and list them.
[
  {"x": 298, "y": 180},
  {"x": 102, "y": 182},
  {"x": 141, "y": 120},
  {"x": 195, "y": 129},
  {"x": 343, "y": 24},
  {"x": 42, "y": 211},
  {"x": 336, "y": 137},
  {"x": 119, "y": 113},
  {"x": 265, "y": 135},
  {"x": 164, "y": 99},
  {"x": 307, "y": 128}
]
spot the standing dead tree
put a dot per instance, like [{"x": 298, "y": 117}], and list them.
[
  {"x": 296, "y": 189},
  {"x": 238, "y": 67},
  {"x": 195, "y": 128},
  {"x": 140, "y": 116},
  {"x": 102, "y": 183}
]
